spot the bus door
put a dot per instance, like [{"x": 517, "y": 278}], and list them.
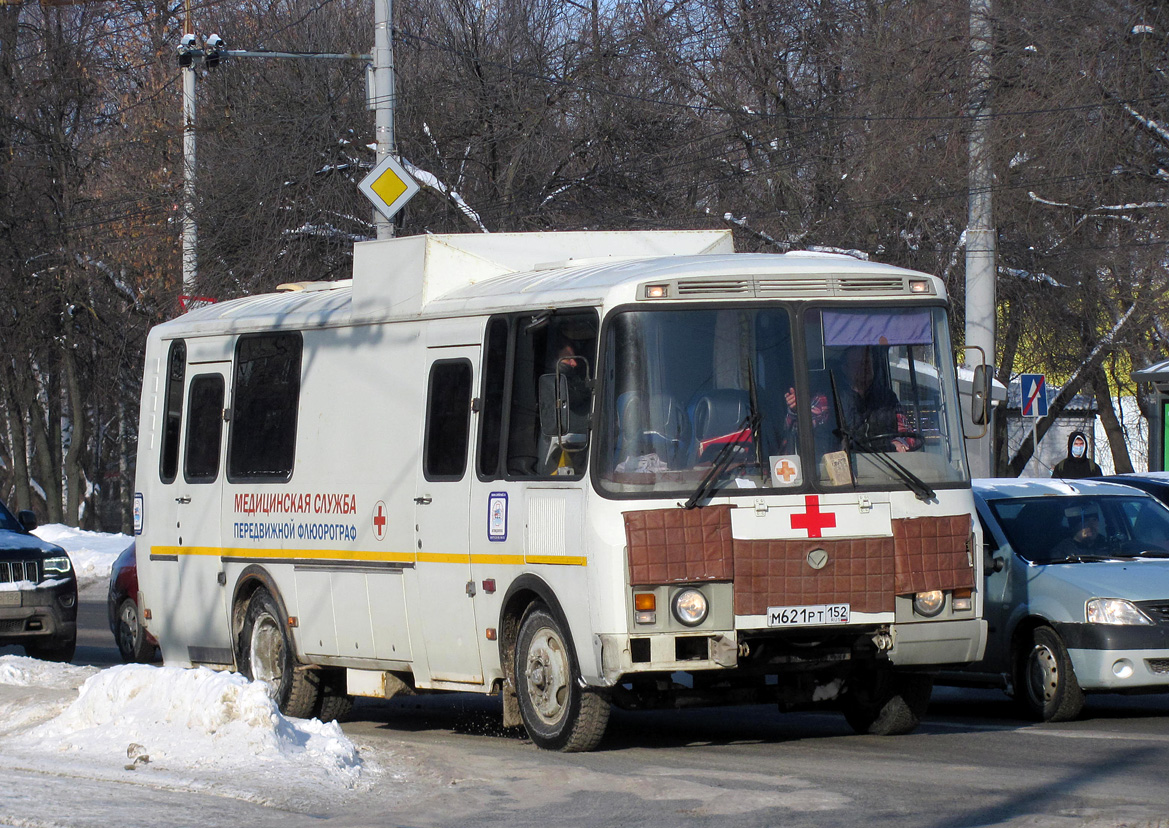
[
  {"x": 447, "y": 607},
  {"x": 200, "y": 606}
]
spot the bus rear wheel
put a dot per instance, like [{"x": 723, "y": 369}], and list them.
[
  {"x": 266, "y": 654},
  {"x": 557, "y": 712}
]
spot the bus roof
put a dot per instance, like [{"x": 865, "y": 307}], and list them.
[{"x": 441, "y": 276}]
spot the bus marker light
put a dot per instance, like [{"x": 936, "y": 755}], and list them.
[
  {"x": 491, "y": 634},
  {"x": 657, "y": 291}
]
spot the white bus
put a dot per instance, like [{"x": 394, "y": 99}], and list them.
[{"x": 572, "y": 469}]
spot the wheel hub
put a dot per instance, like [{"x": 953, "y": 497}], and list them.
[
  {"x": 547, "y": 676},
  {"x": 267, "y": 654},
  {"x": 1044, "y": 673}
]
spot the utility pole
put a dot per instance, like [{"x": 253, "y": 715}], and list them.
[
  {"x": 190, "y": 232},
  {"x": 980, "y": 236},
  {"x": 383, "y": 91},
  {"x": 213, "y": 53}
]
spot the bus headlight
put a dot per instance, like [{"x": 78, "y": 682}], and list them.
[
  {"x": 929, "y": 603},
  {"x": 1115, "y": 611},
  {"x": 690, "y": 607}
]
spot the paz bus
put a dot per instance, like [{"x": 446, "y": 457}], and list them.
[{"x": 574, "y": 470}]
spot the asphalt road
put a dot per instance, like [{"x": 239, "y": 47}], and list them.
[{"x": 973, "y": 762}]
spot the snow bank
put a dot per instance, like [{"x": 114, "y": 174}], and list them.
[
  {"x": 175, "y": 719},
  {"x": 92, "y": 553},
  {"x": 19, "y": 671}
]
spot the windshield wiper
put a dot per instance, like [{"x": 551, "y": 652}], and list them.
[
  {"x": 722, "y": 461},
  {"x": 914, "y": 483}
]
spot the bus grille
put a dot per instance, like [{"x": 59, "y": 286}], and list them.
[{"x": 13, "y": 571}]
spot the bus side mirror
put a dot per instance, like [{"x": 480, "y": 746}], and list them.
[
  {"x": 559, "y": 401},
  {"x": 980, "y": 388},
  {"x": 553, "y": 404}
]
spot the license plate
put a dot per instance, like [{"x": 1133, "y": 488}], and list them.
[
  {"x": 9, "y": 598},
  {"x": 807, "y": 616}
]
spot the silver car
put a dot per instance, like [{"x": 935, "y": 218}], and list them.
[{"x": 1077, "y": 592}]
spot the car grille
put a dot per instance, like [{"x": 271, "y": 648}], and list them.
[
  {"x": 1157, "y": 665},
  {"x": 1157, "y": 610},
  {"x": 12, "y": 571}
]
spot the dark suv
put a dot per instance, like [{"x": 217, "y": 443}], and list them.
[{"x": 38, "y": 591}]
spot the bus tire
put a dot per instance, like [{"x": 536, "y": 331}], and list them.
[
  {"x": 1045, "y": 681},
  {"x": 266, "y": 654},
  {"x": 891, "y": 704},
  {"x": 333, "y": 702},
  {"x": 558, "y": 713}
]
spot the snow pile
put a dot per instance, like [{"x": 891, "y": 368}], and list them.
[
  {"x": 17, "y": 671},
  {"x": 175, "y": 719},
  {"x": 92, "y": 553}
]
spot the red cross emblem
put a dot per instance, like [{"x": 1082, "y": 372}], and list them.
[
  {"x": 785, "y": 471},
  {"x": 379, "y": 520},
  {"x": 813, "y": 519}
]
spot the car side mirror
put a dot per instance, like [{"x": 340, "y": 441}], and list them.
[
  {"x": 28, "y": 519},
  {"x": 993, "y": 563}
]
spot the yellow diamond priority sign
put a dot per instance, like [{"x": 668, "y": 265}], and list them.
[{"x": 388, "y": 186}]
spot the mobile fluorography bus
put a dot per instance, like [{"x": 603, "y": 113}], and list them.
[{"x": 574, "y": 470}]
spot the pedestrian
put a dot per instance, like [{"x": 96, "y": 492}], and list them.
[{"x": 1077, "y": 464}]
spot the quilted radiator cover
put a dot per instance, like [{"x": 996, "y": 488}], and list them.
[{"x": 686, "y": 546}]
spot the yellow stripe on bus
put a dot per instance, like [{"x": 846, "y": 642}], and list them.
[{"x": 367, "y": 556}]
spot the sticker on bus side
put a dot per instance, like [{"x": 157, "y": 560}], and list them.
[{"x": 497, "y": 517}]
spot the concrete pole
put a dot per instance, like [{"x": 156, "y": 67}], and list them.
[
  {"x": 190, "y": 260},
  {"x": 383, "y": 90},
  {"x": 980, "y": 235}
]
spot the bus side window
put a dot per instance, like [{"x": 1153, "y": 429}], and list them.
[
  {"x": 493, "y": 393},
  {"x": 176, "y": 371},
  {"x": 448, "y": 420},
  {"x": 565, "y": 343},
  {"x": 204, "y": 429},
  {"x": 266, "y": 389}
]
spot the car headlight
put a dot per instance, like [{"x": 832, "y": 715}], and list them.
[
  {"x": 690, "y": 607},
  {"x": 929, "y": 603},
  {"x": 1115, "y": 611},
  {"x": 57, "y": 566}
]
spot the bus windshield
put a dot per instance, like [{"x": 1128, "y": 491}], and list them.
[{"x": 722, "y": 398}]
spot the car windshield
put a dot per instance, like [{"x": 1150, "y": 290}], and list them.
[
  {"x": 705, "y": 399},
  {"x": 1084, "y": 527},
  {"x": 8, "y": 521}
]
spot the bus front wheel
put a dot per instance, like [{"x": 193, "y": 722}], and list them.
[
  {"x": 558, "y": 713},
  {"x": 885, "y": 703},
  {"x": 266, "y": 654}
]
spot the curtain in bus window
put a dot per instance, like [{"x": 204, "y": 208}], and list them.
[{"x": 844, "y": 328}]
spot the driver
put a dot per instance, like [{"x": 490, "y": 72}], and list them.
[
  {"x": 1085, "y": 521},
  {"x": 870, "y": 411}
]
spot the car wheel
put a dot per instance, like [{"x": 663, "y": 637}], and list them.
[
  {"x": 1046, "y": 681},
  {"x": 130, "y": 635},
  {"x": 557, "y": 712},
  {"x": 266, "y": 654},
  {"x": 887, "y": 703},
  {"x": 56, "y": 651}
]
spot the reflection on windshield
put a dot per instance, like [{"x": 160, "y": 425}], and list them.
[
  {"x": 1060, "y": 529},
  {"x": 694, "y": 390}
]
